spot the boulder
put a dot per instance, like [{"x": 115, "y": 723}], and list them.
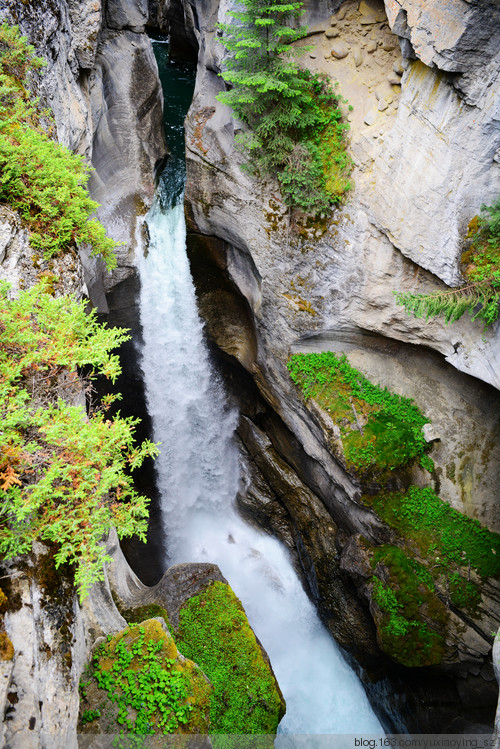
[{"x": 339, "y": 50}]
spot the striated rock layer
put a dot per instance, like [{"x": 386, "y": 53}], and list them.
[{"x": 424, "y": 136}]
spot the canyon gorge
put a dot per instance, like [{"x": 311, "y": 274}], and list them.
[{"x": 271, "y": 283}]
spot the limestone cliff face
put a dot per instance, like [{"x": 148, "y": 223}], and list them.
[
  {"x": 424, "y": 136},
  {"x": 102, "y": 85}
]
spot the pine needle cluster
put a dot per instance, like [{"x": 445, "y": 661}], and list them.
[
  {"x": 480, "y": 295},
  {"x": 296, "y": 131}
]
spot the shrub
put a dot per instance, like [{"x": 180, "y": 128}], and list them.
[
  {"x": 64, "y": 476},
  {"x": 41, "y": 179},
  {"x": 149, "y": 688},
  {"x": 440, "y": 531},
  {"x": 480, "y": 295},
  {"x": 393, "y": 433}
]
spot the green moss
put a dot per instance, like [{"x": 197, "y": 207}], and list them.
[
  {"x": 135, "y": 614},
  {"x": 463, "y": 593},
  {"x": 392, "y": 435},
  {"x": 138, "y": 683},
  {"x": 214, "y": 632},
  {"x": 412, "y": 619},
  {"x": 442, "y": 533}
]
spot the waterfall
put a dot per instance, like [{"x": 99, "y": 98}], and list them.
[{"x": 198, "y": 479}]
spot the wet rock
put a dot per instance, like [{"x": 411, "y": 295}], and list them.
[
  {"x": 339, "y": 50},
  {"x": 125, "y": 93},
  {"x": 355, "y": 559},
  {"x": 127, "y": 14},
  {"x": 101, "y": 83},
  {"x": 86, "y": 21}
]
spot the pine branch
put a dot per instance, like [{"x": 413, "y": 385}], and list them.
[{"x": 480, "y": 299}]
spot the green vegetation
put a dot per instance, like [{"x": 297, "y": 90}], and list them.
[
  {"x": 296, "y": 126},
  {"x": 214, "y": 632},
  {"x": 405, "y": 633},
  {"x": 392, "y": 435},
  {"x": 480, "y": 294},
  {"x": 149, "y": 689},
  {"x": 64, "y": 475},
  {"x": 137, "y": 614},
  {"x": 442, "y": 534},
  {"x": 40, "y": 178},
  {"x": 427, "y": 463}
]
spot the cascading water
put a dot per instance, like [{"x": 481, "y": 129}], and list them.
[{"x": 198, "y": 480}]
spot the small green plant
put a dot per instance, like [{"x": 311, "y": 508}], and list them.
[
  {"x": 392, "y": 435},
  {"x": 413, "y": 620},
  {"x": 427, "y": 463},
  {"x": 88, "y": 716},
  {"x": 296, "y": 127},
  {"x": 153, "y": 690},
  {"x": 480, "y": 295},
  {"x": 64, "y": 474},
  {"x": 214, "y": 632},
  {"x": 41, "y": 179},
  {"x": 463, "y": 593}
]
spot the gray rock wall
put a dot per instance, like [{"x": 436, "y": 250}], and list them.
[{"x": 102, "y": 85}]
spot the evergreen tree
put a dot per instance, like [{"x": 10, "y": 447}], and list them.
[{"x": 293, "y": 116}]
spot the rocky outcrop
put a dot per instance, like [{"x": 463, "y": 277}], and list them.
[
  {"x": 22, "y": 267},
  {"x": 102, "y": 85},
  {"x": 40, "y": 700},
  {"x": 53, "y": 636},
  {"x": 423, "y": 140},
  {"x": 455, "y": 36}
]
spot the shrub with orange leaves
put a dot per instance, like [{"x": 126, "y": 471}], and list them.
[{"x": 65, "y": 475}]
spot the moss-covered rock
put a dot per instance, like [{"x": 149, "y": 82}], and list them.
[
  {"x": 411, "y": 621},
  {"x": 140, "y": 683},
  {"x": 214, "y": 631}
]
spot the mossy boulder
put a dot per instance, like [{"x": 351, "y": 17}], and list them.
[
  {"x": 139, "y": 683},
  {"x": 214, "y": 631}
]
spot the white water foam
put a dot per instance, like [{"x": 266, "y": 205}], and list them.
[{"x": 198, "y": 480}]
